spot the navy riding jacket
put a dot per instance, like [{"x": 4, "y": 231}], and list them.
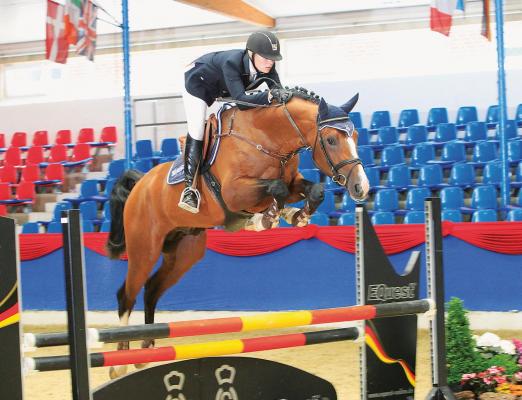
[{"x": 226, "y": 74}]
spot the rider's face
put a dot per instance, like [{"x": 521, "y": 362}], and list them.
[{"x": 263, "y": 64}]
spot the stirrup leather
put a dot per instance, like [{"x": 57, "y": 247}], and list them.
[{"x": 186, "y": 206}]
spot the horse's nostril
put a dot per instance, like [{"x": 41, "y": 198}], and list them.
[{"x": 358, "y": 188}]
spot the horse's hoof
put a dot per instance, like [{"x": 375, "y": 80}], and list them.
[
  {"x": 116, "y": 372},
  {"x": 141, "y": 366}
]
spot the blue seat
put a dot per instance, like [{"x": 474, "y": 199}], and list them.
[
  {"x": 484, "y": 152},
  {"x": 476, "y": 131},
  {"x": 144, "y": 151},
  {"x": 366, "y": 155},
  {"x": 54, "y": 227},
  {"x": 89, "y": 210},
  {"x": 484, "y": 197},
  {"x": 414, "y": 217},
  {"x": 399, "y": 177},
  {"x": 416, "y": 134},
  {"x": 347, "y": 204},
  {"x": 383, "y": 217},
  {"x": 466, "y": 114},
  {"x": 169, "y": 149},
  {"x": 437, "y": 115},
  {"x": 484, "y": 216},
  {"x": 105, "y": 226},
  {"x": 374, "y": 177},
  {"x": 87, "y": 226},
  {"x": 431, "y": 176},
  {"x": 492, "y": 115},
  {"x": 514, "y": 151},
  {"x": 463, "y": 175},
  {"x": 362, "y": 137},
  {"x": 116, "y": 168},
  {"x": 392, "y": 155},
  {"x": 144, "y": 165},
  {"x": 514, "y": 215},
  {"x": 518, "y": 177},
  {"x": 109, "y": 184},
  {"x": 328, "y": 204},
  {"x": 319, "y": 218},
  {"x": 445, "y": 132},
  {"x": 453, "y": 152},
  {"x": 31, "y": 227},
  {"x": 107, "y": 211},
  {"x": 408, "y": 117},
  {"x": 415, "y": 198},
  {"x": 387, "y": 135},
  {"x": 356, "y": 119},
  {"x": 58, "y": 208},
  {"x": 452, "y": 198},
  {"x": 311, "y": 175},
  {"x": 452, "y": 215},
  {"x": 422, "y": 154},
  {"x": 518, "y": 114},
  {"x": 386, "y": 200},
  {"x": 306, "y": 161},
  {"x": 492, "y": 174},
  {"x": 510, "y": 129},
  {"x": 380, "y": 119},
  {"x": 89, "y": 190},
  {"x": 346, "y": 219}
]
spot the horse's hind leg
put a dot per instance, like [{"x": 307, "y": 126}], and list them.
[
  {"x": 270, "y": 218},
  {"x": 313, "y": 194},
  {"x": 181, "y": 250}
]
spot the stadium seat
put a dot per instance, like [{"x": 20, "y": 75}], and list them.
[
  {"x": 463, "y": 175},
  {"x": 484, "y": 152},
  {"x": 492, "y": 173},
  {"x": 356, "y": 119},
  {"x": 445, "y": 132},
  {"x": 30, "y": 173},
  {"x": 408, "y": 117},
  {"x": 89, "y": 210},
  {"x": 54, "y": 175},
  {"x": 63, "y": 136},
  {"x": 347, "y": 203},
  {"x": 35, "y": 155},
  {"x": 31, "y": 227},
  {"x": 452, "y": 198},
  {"x": 475, "y": 131},
  {"x": 169, "y": 149},
  {"x": 8, "y": 174},
  {"x": 366, "y": 155},
  {"x": 431, "y": 176},
  {"x": 5, "y": 191},
  {"x": 392, "y": 155},
  {"x": 328, "y": 204},
  {"x": 363, "y": 138},
  {"x": 58, "y": 208},
  {"x": 86, "y": 135},
  {"x": 143, "y": 165},
  {"x": 58, "y": 154},
  {"x": 81, "y": 156},
  {"x": 319, "y": 218},
  {"x": 514, "y": 151},
  {"x": 109, "y": 184},
  {"x": 387, "y": 135},
  {"x": 380, "y": 119},
  {"x": 87, "y": 226},
  {"x": 399, "y": 178},
  {"x": 453, "y": 152},
  {"x": 510, "y": 129},
  {"x": 484, "y": 216},
  {"x": 40, "y": 138},
  {"x": 451, "y": 215},
  {"x": 374, "y": 177},
  {"x": 346, "y": 219},
  {"x": 414, "y": 217},
  {"x": 517, "y": 183},
  {"x": 437, "y": 115},
  {"x": 144, "y": 151},
  {"x": 109, "y": 135},
  {"x": 306, "y": 161},
  {"x": 416, "y": 134},
  {"x": 386, "y": 200},
  {"x": 54, "y": 227},
  {"x": 25, "y": 194},
  {"x": 492, "y": 115},
  {"x": 2, "y": 142},
  {"x": 514, "y": 215},
  {"x": 13, "y": 156},
  {"x": 518, "y": 115},
  {"x": 105, "y": 226},
  {"x": 88, "y": 191},
  {"x": 19, "y": 139},
  {"x": 312, "y": 175},
  {"x": 3, "y": 210},
  {"x": 415, "y": 198},
  {"x": 107, "y": 211},
  {"x": 484, "y": 197},
  {"x": 422, "y": 154},
  {"x": 466, "y": 114},
  {"x": 116, "y": 168},
  {"x": 383, "y": 217}
]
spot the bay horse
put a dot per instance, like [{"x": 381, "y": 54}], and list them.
[{"x": 256, "y": 168}]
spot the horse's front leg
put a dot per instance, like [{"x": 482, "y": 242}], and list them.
[{"x": 313, "y": 194}]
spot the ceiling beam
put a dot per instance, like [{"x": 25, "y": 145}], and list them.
[{"x": 236, "y": 9}]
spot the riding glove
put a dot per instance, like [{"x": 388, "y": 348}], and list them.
[{"x": 281, "y": 95}]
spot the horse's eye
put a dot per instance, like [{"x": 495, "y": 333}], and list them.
[{"x": 331, "y": 141}]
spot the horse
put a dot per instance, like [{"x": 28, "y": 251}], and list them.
[{"x": 256, "y": 173}]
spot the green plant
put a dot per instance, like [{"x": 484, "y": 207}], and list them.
[
  {"x": 460, "y": 353},
  {"x": 506, "y": 361}
]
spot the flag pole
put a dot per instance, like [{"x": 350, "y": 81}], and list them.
[
  {"x": 126, "y": 82},
  {"x": 502, "y": 104}
]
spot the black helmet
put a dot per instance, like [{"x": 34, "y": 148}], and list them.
[{"x": 265, "y": 44}]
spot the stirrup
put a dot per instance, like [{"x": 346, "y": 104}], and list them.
[{"x": 188, "y": 207}]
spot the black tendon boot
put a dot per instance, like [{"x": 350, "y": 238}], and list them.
[{"x": 190, "y": 197}]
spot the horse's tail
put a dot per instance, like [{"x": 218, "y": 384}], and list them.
[{"x": 120, "y": 193}]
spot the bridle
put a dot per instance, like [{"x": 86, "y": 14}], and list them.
[{"x": 337, "y": 176}]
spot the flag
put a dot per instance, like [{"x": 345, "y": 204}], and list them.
[
  {"x": 56, "y": 44},
  {"x": 87, "y": 34},
  {"x": 73, "y": 13},
  {"x": 486, "y": 20},
  {"x": 440, "y": 15}
]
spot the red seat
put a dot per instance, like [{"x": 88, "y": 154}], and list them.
[
  {"x": 58, "y": 153},
  {"x": 81, "y": 151},
  {"x": 108, "y": 134},
  {"x": 63, "y": 136},
  {"x": 35, "y": 155},
  {"x": 5, "y": 191},
  {"x": 55, "y": 172},
  {"x": 30, "y": 173},
  {"x": 2, "y": 141},
  {"x": 9, "y": 174},
  {"x": 19, "y": 139},
  {"x": 40, "y": 138},
  {"x": 3, "y": 210},
  {"x": 25, "y": 193},
  {"x": 13, "y": 156},
  {"x": 86, "y": 135}
]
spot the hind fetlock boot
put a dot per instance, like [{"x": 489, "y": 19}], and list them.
[{"x": 190, "y": 197}]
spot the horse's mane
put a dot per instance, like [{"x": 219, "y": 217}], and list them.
[{"x": 305, "y": 94}]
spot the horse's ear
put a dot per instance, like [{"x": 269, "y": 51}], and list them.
[
  {"x": 350, "y": 104},
  {"x": 323, "y": 109}
]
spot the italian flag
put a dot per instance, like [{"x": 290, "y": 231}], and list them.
[
  {"x": 440, "y": 15},
  {"x": 73, "y": 15}
]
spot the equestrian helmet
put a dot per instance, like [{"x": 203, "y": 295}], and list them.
[{"x": 266, "y": 44}]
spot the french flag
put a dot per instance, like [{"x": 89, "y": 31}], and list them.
[{"x": 440, "y": 15}]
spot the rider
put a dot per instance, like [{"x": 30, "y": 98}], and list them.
[{"x": 226, "y": 74}]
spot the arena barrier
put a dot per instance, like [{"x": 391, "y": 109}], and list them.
[{"x": 387, "y": 364}]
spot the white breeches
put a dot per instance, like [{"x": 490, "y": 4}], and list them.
[{"x": 196, "y": 112}]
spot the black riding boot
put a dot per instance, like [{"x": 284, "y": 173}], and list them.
[{"x": 190, "y": 197}]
